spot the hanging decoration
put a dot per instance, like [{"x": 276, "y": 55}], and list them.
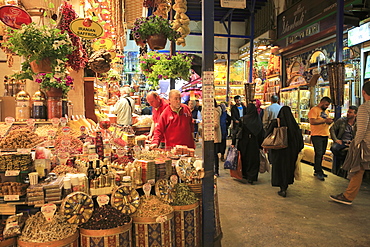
[{"x": 181, "y": 22}]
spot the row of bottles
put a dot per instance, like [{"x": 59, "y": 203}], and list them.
[
  {"x": 37, "y": 106},
  {"x": 100, "y": 176}
]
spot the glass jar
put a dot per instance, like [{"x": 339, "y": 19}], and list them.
[
  {"x": 22, "y": 109},
  {"x": 39, "y": 105}
]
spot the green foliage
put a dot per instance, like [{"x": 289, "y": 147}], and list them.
[
  {"x": 49, "y": 80},
  {"x": 35, "y": 43},
  {"x": 146, "y": 26},
  {"x": 156, "y": 66}
]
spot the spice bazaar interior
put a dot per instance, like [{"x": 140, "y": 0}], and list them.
[{"x": 72, "y": 173}]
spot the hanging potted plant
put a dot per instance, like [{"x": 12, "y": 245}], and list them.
[
  {"x": 154, "y": 30},
  {"x": 157, "y": 67},
  {"x": 44, "y": 49}
]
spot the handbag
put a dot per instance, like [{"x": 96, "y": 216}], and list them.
[
  {"x": 231, "y": 161},
  {"x": 298, "y": 167},
  {"x": 278, "y": 139},
  {"x": 264, "y": 162},
  {"x": 237, "y": 173}
]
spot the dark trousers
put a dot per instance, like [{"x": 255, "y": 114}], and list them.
[
  {"x": 222, "y": 148},
  {"x": 217, "y": 148},
  {"x": 319, "y": 145}
]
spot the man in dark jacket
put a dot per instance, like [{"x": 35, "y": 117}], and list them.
[
  {"x": 237, "y": 112},
  {"x": 342, "y": 132}
]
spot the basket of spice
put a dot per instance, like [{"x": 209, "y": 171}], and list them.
[
  {"x": 40, "y": 232},
  {"x": 153, "y": 223},
  {"x": 107, "y": 227},
  {"x": 187, "y": 217}
]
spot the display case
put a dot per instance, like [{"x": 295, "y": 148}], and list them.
[
  {"x": 298, "y": 99},
  {"x": 272, "y": 86},
  {"x": 322, "y": 89}
]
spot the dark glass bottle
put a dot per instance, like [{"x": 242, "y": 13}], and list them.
[{"x": 90, "y": 171}]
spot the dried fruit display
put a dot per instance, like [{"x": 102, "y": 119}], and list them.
[
  {"x": 14, "y": 161},
  {"x": 152, "y": 207},
  {"x": 126, "y": 199},
  {"x": 20, "y": 138},
  {"x": 4, "y": 129},
  {"x": 106, "y": 217},
  {"x": 77, "y": 207}
]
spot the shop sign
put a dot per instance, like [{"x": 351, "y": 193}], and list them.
[
  {"x": 309, "y": 31},
  {"x": 101, "y": 44},
  {"x": 359, "y": 34},
  {"x": 236, "y": 4},
  {"x": 305, "y": 13},
  {"x": 86, "y": 28}
]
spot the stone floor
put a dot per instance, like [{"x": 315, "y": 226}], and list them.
[{"x": 254, "y": 215}]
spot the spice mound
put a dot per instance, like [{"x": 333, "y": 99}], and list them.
[
  {"x": 152, "y": 207},
  {"x": 184, "y": 196},
  {"x": 39, "y": 230},
  {"x": 106, "y": 217}
]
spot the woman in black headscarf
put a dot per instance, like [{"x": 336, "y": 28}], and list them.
[
  {"x": 283, "y": 160},
  {"x": 250, "y": 138}
]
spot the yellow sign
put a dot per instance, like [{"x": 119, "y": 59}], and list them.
[
  {"x": 86, "y": 28},
  {"x": 106, "y": 44}
]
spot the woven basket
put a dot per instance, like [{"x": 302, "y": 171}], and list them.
[{"x": 133, "y": 10}]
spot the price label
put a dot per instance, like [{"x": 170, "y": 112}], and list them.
[
  {"x": 12, "y": 173},
  {"x": 48, "y": 210},
  {"x": 66, "y": 130},
  {"x": 30, "y": 122},
  {"x": 82, "y": 128},
  {"x": 174, "y": 180},
  {"x": 9, "y": 120},
  {"x": 11, "y": 197},
  {"x": 121, "y": 152},
  {"x": 147, "y": 188},
  {"x": 55, "y": 122},
  {"x": 63, "y": 155},
  {"x": 24, "y": 150},
  {"x": 63, "y": 121},
  {"x": 102, "y": 200},
  {"x": 66, "y": 143},
  {"x": 161, "y": 219}
]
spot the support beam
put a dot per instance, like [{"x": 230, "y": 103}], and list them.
[
  {"x": 222, "y": 35},
  {"x": 339, "y": 46}
]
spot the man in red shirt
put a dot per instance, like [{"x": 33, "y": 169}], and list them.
[
  {"x": 158, "y": 105},
  {"x": 175, "y": 124}
]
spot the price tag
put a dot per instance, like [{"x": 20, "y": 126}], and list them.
[
  {"x": 82, "y": 128},
  {"x": 161, "y": 219},
  {"x": 30, "y": 122},
  {"x": 51, "y": 133},
  {"x": 93, "y": 157},
  {"x": 9, "y": 120},
  {"x": 24, "y": 150},
  {"x": 66, "y": 130},
  {"x": 63, "y": 121},
  {"x": 102, "y": 200},
  {"x": 66, "y": 143},
  {"x": 147, "y": 188},
  {"x": 174, "y": 180},
  {"x": 55, "y": 122},
  {"x": 63, "y": 157},
  {"x": 11, "y": 197},
  {"x": 12, "y": 173},
  {"x": 48, "y": 210},
  {"x": 121, "y": 152}
]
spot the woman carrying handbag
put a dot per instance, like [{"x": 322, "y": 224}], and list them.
[
  {"x": 284, "y": 160},
  {"x": 250, "y": 137}
]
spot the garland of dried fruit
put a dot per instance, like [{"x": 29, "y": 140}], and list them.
[
  {"x": 78, "y": 58},
  {"x": 182, "y": 21},
  {"x": 163, "y": 7}
]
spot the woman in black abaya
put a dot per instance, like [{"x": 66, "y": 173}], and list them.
[
  {"x": 283, "y": 160},
  {"x": 249, "y": 143}
]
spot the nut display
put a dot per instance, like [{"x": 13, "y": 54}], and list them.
[
  {"x": 20, "y": 138},
  {"x": 183, "y": 195},
  {"x": 77, "y": 207},
  {"x": 152, "y": 207},
  {"x": 43, "y": 130},
  {"x": 12, "y": 188},
  {"x": 106, "y": 217},
  {"x": 126, "y": 199},
  {"x": 39, "y": 230},
  {"x": 4, "y": 129},
  {"x": 15, "y": 161}
]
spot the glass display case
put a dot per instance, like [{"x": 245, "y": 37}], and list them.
[{"x": 298, "y": 99}]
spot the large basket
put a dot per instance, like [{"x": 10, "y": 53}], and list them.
[
  {"x": 115, "y": 237},
  {"x": 133, "y": 10},
  {"x": 11, "y": 242},
  {"x": 71, "y": 241},
  {"x": 149, "y": 233},
  {"x": 187, "y": 225}
]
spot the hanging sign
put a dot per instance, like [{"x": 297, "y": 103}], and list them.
[
  {"x": 100, "y": 44},
  {"x": 14, "y": 17},
  {"x": 237, "y": 4},
  {"x": 86, "y": 28}
]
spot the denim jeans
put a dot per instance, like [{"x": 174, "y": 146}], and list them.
[{"x": 319, "y": 145}]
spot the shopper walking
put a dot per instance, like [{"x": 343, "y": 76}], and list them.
[
  {"x": 217, "y": 135},
  {"x": 259, "y": 109},
  {"x": 124, "y": 107},
  {"x": 319, "y": 125},
  {"x": 197, "y": 118},
  {"x": 271, "y": 112},
  {"x": 238, "y": 110},
  {"x": 225, "y": 121},
  {"x": 248, "y": 141},
  {"x": 358, "y": 159},
  {"x": 175, "y": 124},
  {"x": 284, "y": 160}
]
